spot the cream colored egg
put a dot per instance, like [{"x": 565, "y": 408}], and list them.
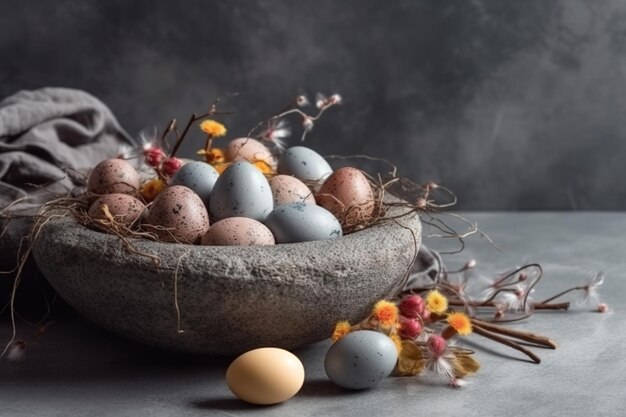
[
  {"x": 238, "y": 231},
  {"x": 251, "y": 150},
  {"x": 265, "y": 376},
  {"x": 288, "y": 189},
  {"x": 177, "y": 214},
  {"x": 125, "y": 209},
  {"x": 348, "y": 195},
  {"x": 113, "y": 176}
]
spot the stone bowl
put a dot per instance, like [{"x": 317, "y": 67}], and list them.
[{"x": 225, "y": 300}]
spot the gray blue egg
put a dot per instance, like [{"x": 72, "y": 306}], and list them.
[
  {"x": 304, "y": 163},
  {"x": 198, "y": 176},
  {"x": 241, "y": 191},
  {"x": 361, "y": 359},
  {"x": 301, "y": 222}
]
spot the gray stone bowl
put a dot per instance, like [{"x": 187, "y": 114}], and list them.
[{"x": 225, "y": 300}]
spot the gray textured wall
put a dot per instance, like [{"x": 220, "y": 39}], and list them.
[{"x": 513, "y": 104}]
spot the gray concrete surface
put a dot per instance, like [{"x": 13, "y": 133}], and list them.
[{"x": 75, "y": 369}]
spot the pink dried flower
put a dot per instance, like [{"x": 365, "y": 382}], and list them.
[
  {"x": 276, "y": 133},
  {"x": 437, "y": 345},
  {"x": 410, "y": 328},
  {"x": 335, "y": 99},
  {"x": 171, "y": 165},
  {"x": 602, "y": 308},
  {"x": 412, "y": 306},
  {"x": 302, "y": 101},
  {"x": 154, "y": 156}
]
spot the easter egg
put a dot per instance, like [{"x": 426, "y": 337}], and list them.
[
  {"x": 251, "y": 150},
  {"x": 304, "y": 163},
  {"x": 300, "y": 222},
  {"x": 265, "y": 376},
  {"x": 113, "y": 176},
  {"x": 238, "y": 231},
  {"x": 360, "y": 359},
  {"x": 241, "y": 191},
  {"x": 124, "y": 208},
  {"x": 198, "y": 176},
  {"x": 288, "y": 189},
  {"x": 177, "y": 214},
  {"x": 348, "y": 195}
]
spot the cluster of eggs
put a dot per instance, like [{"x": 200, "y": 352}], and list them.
[{"x": 241, "y": 206}]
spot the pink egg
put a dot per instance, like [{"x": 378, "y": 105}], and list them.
[
  {"x": 348, "y": 195},
  {"x": 238, "y": 231},
  {"x": 113, "y": 176},
  {"x": 288, "y": 189},
  {"x": 125, "y": 209},
  {"x": 177, "y": 214},
  {"x": 251, "y": 150}
]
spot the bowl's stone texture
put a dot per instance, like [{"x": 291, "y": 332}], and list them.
[{"x": 230, "y": 299}]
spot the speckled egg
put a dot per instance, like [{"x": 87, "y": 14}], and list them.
[
  {"x": 251, "y": 150},
  {"x": 300, "y": 222},
  {"x": 124, "y": 208},
  {"x": 348, "y": 195},
  {"x": 241, "y": 191},
  {"x": 198, "y": 176},
  {"x": 265, "y": 376},
  {"x": 179, "y": 216},
  {"x": 361, "y": 359},
  {"x": 304, "y": 163},
  {"x": 238, "y": 231},
  {"x": 288, "y": 189},
  {"x": 113, "y": 176}
]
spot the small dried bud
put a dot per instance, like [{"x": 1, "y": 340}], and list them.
[
  {"x": 470, "y": 264},
  {"x": 171, "y": 166},
  {"x": 522, "y": 277},
  {"x": 320, "y": 100},
  {"x": 412, "y": 306},
  {"x": 410, "y": 328},
  {"x": 154, "y": 156},
  {"x": 437, "y": 345},
  {"x": 335, "y": 99},
  {"x": 307, "y": 123},
  {"x": 302, "y": 101},
  {"x": 602, "y": 308},
  {"x": 432, "y": 186},
  {"x": 421, "y": 202}
]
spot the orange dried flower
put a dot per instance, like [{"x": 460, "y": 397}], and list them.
[
  {"x": 386, "y": 313},
  {"x": 263, "y": 166},
  {"x": 341, "y": 329},
  {"x": 220, "y": 168},
  {"x": 151, "y": 188},
  {"x": 460, "y": 322},
  {"x": 213, "y": 128},
  {"x": 214, "y": 156}
]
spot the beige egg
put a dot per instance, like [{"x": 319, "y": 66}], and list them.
[
  {"x": 251, "y": 150},
  {"x": 124, "y": 208},
  {"x": 288, "y": 189},
  {"x": 113, "y": 176},
  {"x": 238, "y": 231},
  {"x": 348, "y": 195},
  {"x": 177, "y": 214},
  {"x": 265, "y": 376}
]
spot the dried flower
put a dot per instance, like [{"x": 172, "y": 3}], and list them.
[
  {"x": 410, "y": 328},
  {"x": 412, "y": 306},
  {"x": 460, "y": 322},
  {"x": 220, "y": 168},
  {"x": 307, "y": 123},
  {"x": 213, "y": 128},
  {"x": 214, "y": 156},
  {"x": 396, "y": 341},
  {"x": 153, "y": 156},
  {"x": 320, "y": 100},
  {"x": 276, "y": 133},
  {"x": 341, "y": 329},
  {"x": 171, "y": 165},
  {"x": 436, "y": 302},
  {"x": 151, "y": 188},
  {"x": 602, "y": 308},
  {"x": 589, "y": 295},
  {"x": 436, "y": 345},
  {"x": 302, "y": 101},
  {"x": 335, "y": 99},
  {"x": 386, "y": 313},
  {"x": 263, "y": 166}
]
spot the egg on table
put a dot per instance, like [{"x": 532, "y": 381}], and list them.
[
  {"x": 360, "y": 359},
  {"x": 305, "y": 164},
  {"x": 301, "y": 222},
  {"x": 177, "y": 214},
  {"x": 241, "y": 191},
  {"x": 124, "y": 208},
  {"x": 288, "y": 189},
  {"x": 348, "y": 195},
  {"x": 113, "y": 176},
  {"x": 265, "y": 376},
  {"x": 198, "y": 176},
  {"x": 238, "y": 231},
  {"x": 251, "y": 150}
]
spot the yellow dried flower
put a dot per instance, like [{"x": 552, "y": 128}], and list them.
[
  {"x": 214, "y": 156},
  {"x": 396, "y": 341},
  {"x": 436, "y": 302},
  {"x": 213, "y": 128},
  {"x": 151, "y": 188},
  {"x": 386, "y": 313},
  {"x": 460, "y": 322},
  {"x": 220, "y": 168},
  {"x": 341, "y": 329},
  {"x": 264, "y": 167}
]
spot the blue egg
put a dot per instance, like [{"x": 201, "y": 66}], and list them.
[
  {"x": 304, "y": 163},
  {"x": 200, "y": 177},
  {"x": 301, "y": 222},
  {"x": 241, "y": 191}
]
